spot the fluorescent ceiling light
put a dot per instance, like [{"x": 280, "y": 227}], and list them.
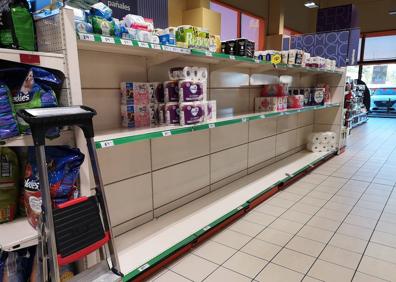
[
  {"x": 311, "y": 4},
  {"x": 392, "y": 12}
]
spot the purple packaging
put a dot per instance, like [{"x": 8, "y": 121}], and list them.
[
  {"x": 192, "y": 113},
  {"x": 161, "y": 114},
  {"x": 190, "y": 91},
  {"x": 171, "y": 91},
  {"x": 172, "y": 113}
]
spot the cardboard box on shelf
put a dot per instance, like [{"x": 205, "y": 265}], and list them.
[
  {"x": 192, "y": 4},
  {"x": 203, "y": 17}
]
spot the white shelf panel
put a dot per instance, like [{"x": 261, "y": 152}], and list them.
[
  {"x": 150, "y": 241},
  {"x": 66, "y": 138},
  {"x": 17, "y": 234},
  {"x": 46, "y": 60}
]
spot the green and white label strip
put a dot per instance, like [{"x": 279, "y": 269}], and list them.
[{"x": 166, "y": 132}]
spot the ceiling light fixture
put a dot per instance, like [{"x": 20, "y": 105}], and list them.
[{"x": 311, "y": 4}]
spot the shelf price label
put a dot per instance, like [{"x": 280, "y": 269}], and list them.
[
  {"x": 108, "y": 143},
  {"x": 156, "y": 46},
  {"x": 212, "y": 125},
  {"x": 126, "y": 42},
  {"x": 143, "y": 44},
  {"x": 143, "y": 267},
  {"x": 245, "y": 119},
  {"x": 232, "y": 57},
  {"x": 106, "y": 39},
  {"x": 208, "y": 54},
  {"x": 262, "y": 116},
  {"x": 257, "y": 61},
  {"x": 86, "y": 36},
  {"x": 166, "y": 133},
  {"x": 206, "y": 228}
]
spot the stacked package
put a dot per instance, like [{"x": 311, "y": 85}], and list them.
[
  {"x": 273, "y": 98},
  {"x": 238, "y": 47},
  {"x": 322, "y": 142},
  {"x": 140, "y": 103},
  {"x": 186, "y": 97},
  {"x": 8, "y": 123},
  {"x": 312, "y": 96}
]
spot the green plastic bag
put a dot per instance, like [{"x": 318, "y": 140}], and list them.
[
  {"x": 17, "y": 26},
  {"x": 9, "y": 173}
]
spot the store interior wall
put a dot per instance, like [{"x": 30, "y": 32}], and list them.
[{"x": 373, "y": 14}]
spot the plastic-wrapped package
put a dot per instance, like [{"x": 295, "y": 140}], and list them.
[
  {"x": 101, "y": 10},
  {"x": 192, "y": 113},
  {"x": 9, "y": 182},
  {"x": 63, "y": 164},
  {"x": 8, "y": 122}
]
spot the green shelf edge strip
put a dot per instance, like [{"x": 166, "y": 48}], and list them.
[
  {"x": 201, "y": 53},
  {"x": 205, "y": 126},
  {"x": 213, "y": 224}
]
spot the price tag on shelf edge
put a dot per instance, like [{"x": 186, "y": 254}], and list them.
[
  {"x": 126, "y": 42},
  {"x": 106, "y": 39},
  {"x": 206, "y": 228},
  {"x": 262, "y": 116},
  {"x": 156, "y": 46},
  {"x": 143, "y": 44},
  {"x": 212, "y": 125},
  {"x": 232, "y": 57},
  {"x": 143, "y": 267},
  {"x": 108, "y": 143},
  {"x": 208, "y": 54},
  {"x": 86, "y": 36},
  {"x": 244, "y": 119},
  {"x": 166, "y": 133}
]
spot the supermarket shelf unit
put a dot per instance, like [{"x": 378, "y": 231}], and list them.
[
  {"x": 156, "y": 172},
  {"x": 53, "y": 54}
]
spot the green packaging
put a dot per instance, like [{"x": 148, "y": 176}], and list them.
[
  {"x": 185, "y": 36},
  {"x": 9, "y": 173},
  {"x": 102, "y": 26}
]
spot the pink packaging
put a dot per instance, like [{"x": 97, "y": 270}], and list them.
[
  {"x": 272, "y": 90},
  {"x": 295, "y": 102},
  {"x": 142, "y": 116},
  {"x": 266, "y": 104},
  {"x": 281, "y": 103},
  {"x": 141, "y": 93}
]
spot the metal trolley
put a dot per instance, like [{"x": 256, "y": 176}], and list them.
[{"x": 78, "y": 227}]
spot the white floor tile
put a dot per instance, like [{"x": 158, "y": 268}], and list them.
[
  {"x": 171, "y": 276},
  {"x": 286, "y": 226},
  {"x": 231, "y": 239},
  {"x": 316, "y": 234},
  {"x": 361, "y": 277},
  {"x": 324, "y": 223},
  {"x": 276, "y": 273},
  {"x": 355, "y": 231},
  {"x": 305, "y": 246},
  {"x": 214, "y": 252},
  {"x": 224, "y": 274},
  {"x": 245, "y": 264},
  {"x": 274, "y": 236},
  {"x": 261, "y": 249},
  {"x": 294, "y": 260},
  {"x": 348, "y": 243},
  {"x": 330, "y": 272},
  {"x": 378, "y": 268},
  {"x": 246, "y": 227},
  {"x": 194, "y": 267},
  {"x": 381, "y": 252},
  {"x": 341, "y": 257}
]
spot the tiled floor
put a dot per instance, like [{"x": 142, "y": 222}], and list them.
[{"x": 336, "y": 224}]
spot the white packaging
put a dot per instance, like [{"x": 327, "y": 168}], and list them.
[
  {"x": 285, "y": 57},
  {"x": 306, "y": 58},
  {"x": 202, "y": 74},
  {"x": 170, "y": 30},
  {"x": 292, "y": 56},
  {"x": 314, "y": 147},
  {"x": 210, "y": 110},
  {"x": 315, "y": 138}
]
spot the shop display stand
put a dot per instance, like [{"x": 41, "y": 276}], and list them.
[
  {"x": 356, "y": 113},
  {"x": 195, "y": 178}
]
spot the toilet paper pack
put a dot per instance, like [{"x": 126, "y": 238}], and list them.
[
  {"x": 295, "y": 101},
  {"x": 190, "y": 91},
  {"x": 266, "y": 104},
  {"x": 192, "y": 113},
  {"x": 171, "y": 91},
  {"x": 172, "y": 113}
]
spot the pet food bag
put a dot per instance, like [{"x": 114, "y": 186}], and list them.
[
  {"x": 34, "y": 91},
  {"x": 63, "y": 164},
  {"x": 9, "y": 171},
  {"x": 8, "y": 123}
]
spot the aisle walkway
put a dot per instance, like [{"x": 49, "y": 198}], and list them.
[{"x": 336, "y": 224}]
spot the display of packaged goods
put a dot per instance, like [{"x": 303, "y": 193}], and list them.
[
  {"x": 9, "y": 182},
  {"x": 172, "y": 113},
  {"x": 188, "y": 73},
  {"x": 138, "y": 22},
  {"x": 185, "y": 36},
  {"x": 244, "y": 48},
  {"x": 102, "y": 26},
  {"x": 295, "y": 102},
  {"x": 161, "y": 114},
  {"x": 230, "y": 47},
  {"x": 317, "y": 96},
  {"x": 223, "y": 47},
  {"x": 63, "y": 170},
  {"x": 167, "y": 39},
  {"x": 101, "y": 10},
  {"x": 265, "y": 104},
  {"x": 295, "y": 57},
  {"x": 192, "y": 113},
  {"x": 274, "y": 90},
  {"x": 8, "y": 121},
  {"x": 171, "y": 91},
  {"x": 142, "y": 115},
  {"x": 210, "y": 110},
  {"x": 128, "y": 116},
  {"x": 127, "y": 93},
  {"x": 190, "y": 91}
]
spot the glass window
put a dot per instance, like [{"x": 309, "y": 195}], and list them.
[
  {"x": 250, "y": 29},
  {"x": 379, "y": 75},
  {"x": 380, "y": 48},
  {"x": 229, "y": 21}
]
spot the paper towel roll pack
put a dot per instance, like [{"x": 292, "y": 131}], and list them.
[
  {"x": 322, "y": 141},
  {"x": 171, "y": 91},
  {"x": 188, "y": 73}
]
